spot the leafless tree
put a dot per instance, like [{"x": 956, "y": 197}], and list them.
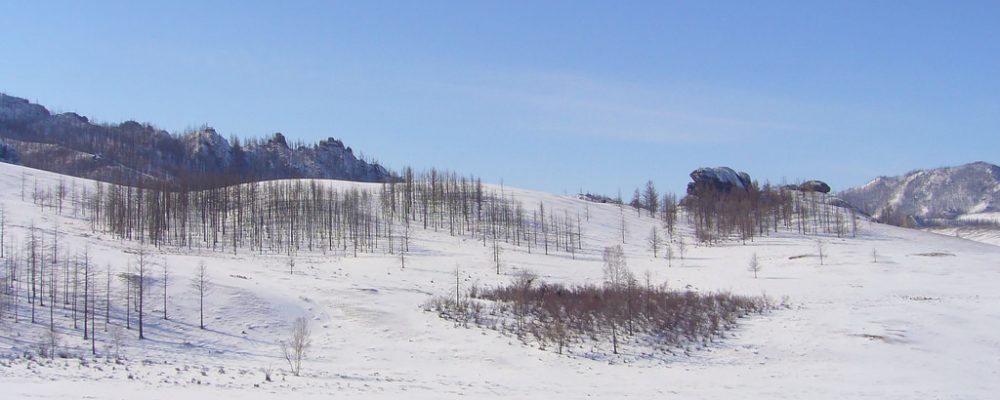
[
  {"x": 821, "y": 250},
  {"x": 624, "y": 226},
  {"x": 295, "y": 348},
  {"x": 668, "y": 252},
  {"x": 636, "y": 202},
  {"x": 616, "y": 273},
  {"x": 655, "y": 241},
  {"x": 201, "y": 282},
  {"x": 166, "y": 277},
  {"x": 107, "y": 299},
  {"x": 650, "y": 198},
  {"x": 88, "y": 274},
  {"x": 558, "y": 333},
  {"x": 754, "y": 265},
  {"x": 32, "y": 258},
  {"x": 669, "y": 213},
  {"x": 458, "y": 290},
  {"x": 48, "y": 347},
  {"x": 497, "y": 256},
  {"x": 3, "y": 228},
  {"x": 116, "y": 341},
  {"x": 142, "y": 275},
  {"x": 874, "y": 256}
]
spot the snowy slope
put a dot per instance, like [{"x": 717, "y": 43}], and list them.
[
  {"x": 936, "y": 196},
  {"x": 920, "y": 323},
  {"x": 979, "y": 234}
]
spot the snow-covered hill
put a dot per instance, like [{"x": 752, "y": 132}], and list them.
[
  {"x": 941, "y": 196},
  {"x": 919, "y": 323}
]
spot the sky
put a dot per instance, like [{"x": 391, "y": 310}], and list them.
[{"x": 554, "y": 96}]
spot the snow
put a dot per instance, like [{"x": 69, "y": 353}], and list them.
[
  {"x": 944, "y": 194},
  {"x": 920, "y": 323}
]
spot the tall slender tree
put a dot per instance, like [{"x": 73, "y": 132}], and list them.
[{"x": 201, "y": 282}]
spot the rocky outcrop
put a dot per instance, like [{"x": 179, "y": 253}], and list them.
[
  {"x": 19, "y": 112},
  {"x": 810, "y": 186},
  {"x": 814, "y": 186},
  {"x": 207, "y": 147},
  {"x": 719, "y": 179}
]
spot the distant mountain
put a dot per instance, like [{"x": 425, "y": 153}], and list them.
[
  {"x": 944, "y": 197},
  {"x": 134, "y": 153}
]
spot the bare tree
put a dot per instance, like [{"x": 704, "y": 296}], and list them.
[
  {"x": 650, "y": 198},
  {"x": 636, "y": 202},
  {"x": 754, "y": 265},
  {"x": 668, "y": 252},
  {"x": 107, "y": 299},
  {"x": 32, "y": 258},
  {"x": 621, "y": 210},
  {"x": 874, "y": 256},
  {"x": 142, "y": 271},
  {"x": 3, "y": 228},
  {"x": 202, "y": 285},
  {"x": 669, "y": 213},
  {"x": 558, "y": 333},
  {"x": 681, "y": 248},
  {"x": 117, "y": 340},
  {"x": 616, "y": 273},
  {"x": 821, "y": 250},
  {"x": 87, "y": 275},
  {"x": 49, "y": 346},
  {"x": 497, "y": 255},
  {"x": 402, "y": 252},
  {"x": 655, "y": 241},
  {"x": 295, "y": 348},
  {"x": 166, "y": 277},
  {"x": 619, "y": 280}
]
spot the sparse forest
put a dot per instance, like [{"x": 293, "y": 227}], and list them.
[
  {"x": 746, "y": 214},
  {"x": 285, "y": 217}
]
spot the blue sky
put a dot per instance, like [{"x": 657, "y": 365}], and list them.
[{"x": 555, "y": 96}]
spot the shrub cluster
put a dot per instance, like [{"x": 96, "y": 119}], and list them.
[{"x": 560, "y": 316}]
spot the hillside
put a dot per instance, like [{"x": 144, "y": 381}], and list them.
[
  {"x": 933, "y": 197},
  {"x": 920, "y": 322},
  {"x": 130, "y": 152}
]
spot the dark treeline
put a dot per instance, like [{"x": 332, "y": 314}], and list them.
[{"x": 289, "y": 216}]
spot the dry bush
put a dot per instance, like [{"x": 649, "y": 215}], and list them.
[{"x": 557, "y": 315}]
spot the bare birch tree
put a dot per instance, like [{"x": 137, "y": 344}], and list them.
[{"x": 295, "y": 348}]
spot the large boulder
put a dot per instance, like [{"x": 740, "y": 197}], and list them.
[
  {"x": 814, "y": 186},
  {"x": 809, "y": 186},
  {"x": 720, "y": 179}
]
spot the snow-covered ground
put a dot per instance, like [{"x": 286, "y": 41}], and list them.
[
  {"x": 922, "y": 322},
  {"x": 976, "y": 233}
]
